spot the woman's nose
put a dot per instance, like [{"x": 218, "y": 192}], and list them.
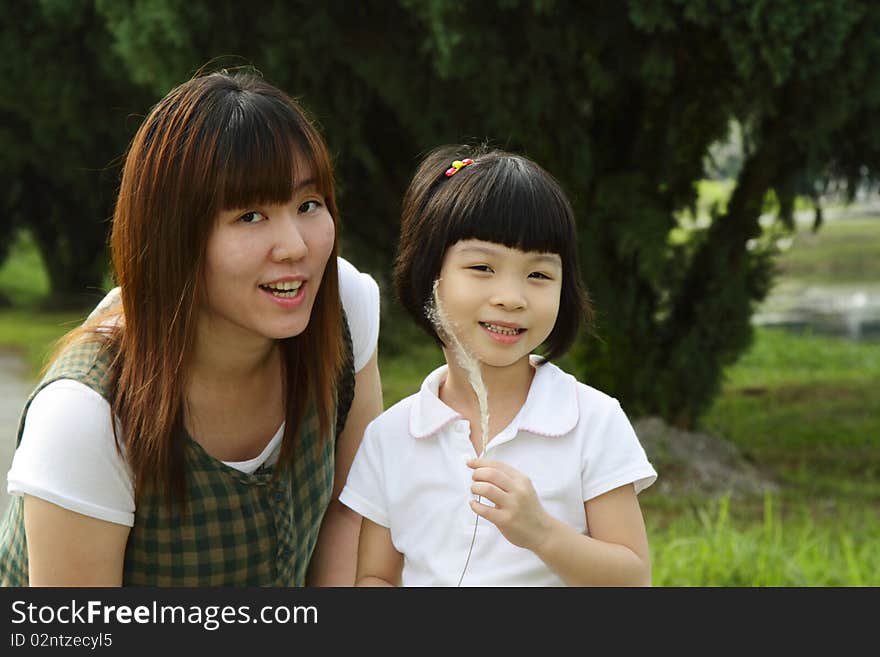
[{"x": 289, "y": 243}]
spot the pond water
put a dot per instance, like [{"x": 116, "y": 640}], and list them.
[{"x": 850, "y": 310}]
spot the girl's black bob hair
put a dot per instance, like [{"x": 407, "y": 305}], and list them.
[{"x": 503, "y": 198}]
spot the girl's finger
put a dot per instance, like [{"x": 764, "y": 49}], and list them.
[
  {"x": 493, "y": 476},
  {"x": 490, "y": 463},
  {"x": 491, "y": 492},
  {"x": 487, "y": 512},
  {"x": 510, "y": 473}
]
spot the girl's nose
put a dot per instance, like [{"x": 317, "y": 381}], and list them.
[
  {"x": 289, "y": 243},
  {"x": 508, "y": 296}
]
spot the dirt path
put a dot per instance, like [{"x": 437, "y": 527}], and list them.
[{"x": 14, "y": 389}]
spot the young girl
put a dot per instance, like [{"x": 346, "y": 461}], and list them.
[{"x": 502, "y": 469}]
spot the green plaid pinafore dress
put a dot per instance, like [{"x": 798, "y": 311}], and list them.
[{"x": 238, "y": 529}]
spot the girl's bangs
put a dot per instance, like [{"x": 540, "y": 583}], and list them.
[{"x": 518, "y": 213}]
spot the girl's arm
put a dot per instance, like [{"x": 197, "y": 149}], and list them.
[
  {"x": 335, "y": 558},
  {"x": 379, "y": 564},
  {"x": 616, "y": 552},
  {"x": 66, "y": 548}
]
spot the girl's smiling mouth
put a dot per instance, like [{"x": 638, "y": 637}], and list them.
[{"x": 503, "y": 331}]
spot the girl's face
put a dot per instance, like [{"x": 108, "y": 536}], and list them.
[
  {"x": 502, "y": 302},
  {"x": 265, "y": 265}
]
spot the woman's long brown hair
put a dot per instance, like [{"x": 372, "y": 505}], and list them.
[{"x": 216, "y": 142}]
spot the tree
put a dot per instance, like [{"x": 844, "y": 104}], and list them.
[
  {"x": 65, "y": 112},
  {"x": 619, "y": 100}
]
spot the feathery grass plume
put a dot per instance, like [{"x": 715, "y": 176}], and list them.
[{"x": 468, "y": 361}]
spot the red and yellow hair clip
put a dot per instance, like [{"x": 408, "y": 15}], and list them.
[{"x": 458, "y": 164}]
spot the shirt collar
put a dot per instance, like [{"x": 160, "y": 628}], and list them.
[
  {"x": 551, "y": 407},
  {"x": 429, "y": 414}
]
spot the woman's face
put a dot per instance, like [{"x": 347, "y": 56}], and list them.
[{"x": 265, "y": 264}]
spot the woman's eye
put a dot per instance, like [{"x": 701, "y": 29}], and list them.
[
  {"x": 540, "y": 275},
  {"x": 309, "y": 206},
  {"x": 252, "y": 217},
  {"x": 485, "y": 268}
]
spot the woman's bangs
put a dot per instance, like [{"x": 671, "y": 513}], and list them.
[
  {"x": 264, "y": 158},
  {"x": 318, "y": 159}
]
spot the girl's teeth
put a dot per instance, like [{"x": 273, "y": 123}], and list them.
[{"x": 502, "y": 330}]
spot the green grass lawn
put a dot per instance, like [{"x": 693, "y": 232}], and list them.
[
  {"x": 805, "y": 409},
  {"x": 810, "y": 406},
  {"x": 708, "y": 546},
  {"x": 34, "y": 333},
  {"x": 843, "y": 251}
]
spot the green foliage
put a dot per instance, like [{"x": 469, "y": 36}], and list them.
[
  {"x": 65, "y": 115},
  {"x": 23, "y": 278},
  {"x": 621, "y": 101}
]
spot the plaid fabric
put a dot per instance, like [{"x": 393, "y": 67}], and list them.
[{"x": 237, "y": 530}]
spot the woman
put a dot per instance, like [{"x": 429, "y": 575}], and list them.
[{"x": 228, "y": 367}]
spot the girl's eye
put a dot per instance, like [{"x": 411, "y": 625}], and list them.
[
  {"x": 309, "y": 206},
  {"x": 485, "y": 268},
  {"x": 540, "y": 275},
  {"x": 252, "y": 217}
]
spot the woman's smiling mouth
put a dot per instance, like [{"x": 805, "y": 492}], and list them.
[{"x": 283, "y": 289}]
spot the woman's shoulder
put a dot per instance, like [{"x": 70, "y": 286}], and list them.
[
  {"x": 358, "y": 290},
  {"x": 85, "y": 358},
  {"x": 67, "y": 454},
  {"x": 350, "y": 275},
  {"x": 359, "y": 294},
  {"x": 69, "y": 400}
]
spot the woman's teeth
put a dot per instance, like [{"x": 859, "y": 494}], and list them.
[
  {"x": 283, "y": 289},
  {"x": 503, "y": 330}
]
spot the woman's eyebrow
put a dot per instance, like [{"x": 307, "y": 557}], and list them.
[{"x": 304, "y": 184}]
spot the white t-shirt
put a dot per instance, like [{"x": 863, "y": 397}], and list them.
[
  {"x": 68, "y": 454},
  {"x": 410, "y": 475}
]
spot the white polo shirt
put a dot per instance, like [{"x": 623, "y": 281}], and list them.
[{"x": 573, "y": 441}]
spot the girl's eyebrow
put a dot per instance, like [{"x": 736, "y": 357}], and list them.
[
  {"x": 549, "y": 258},
  {"x": 477, "y": 249}
]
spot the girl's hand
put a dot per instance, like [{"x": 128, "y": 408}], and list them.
[{"x": 518, "y": 513}]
